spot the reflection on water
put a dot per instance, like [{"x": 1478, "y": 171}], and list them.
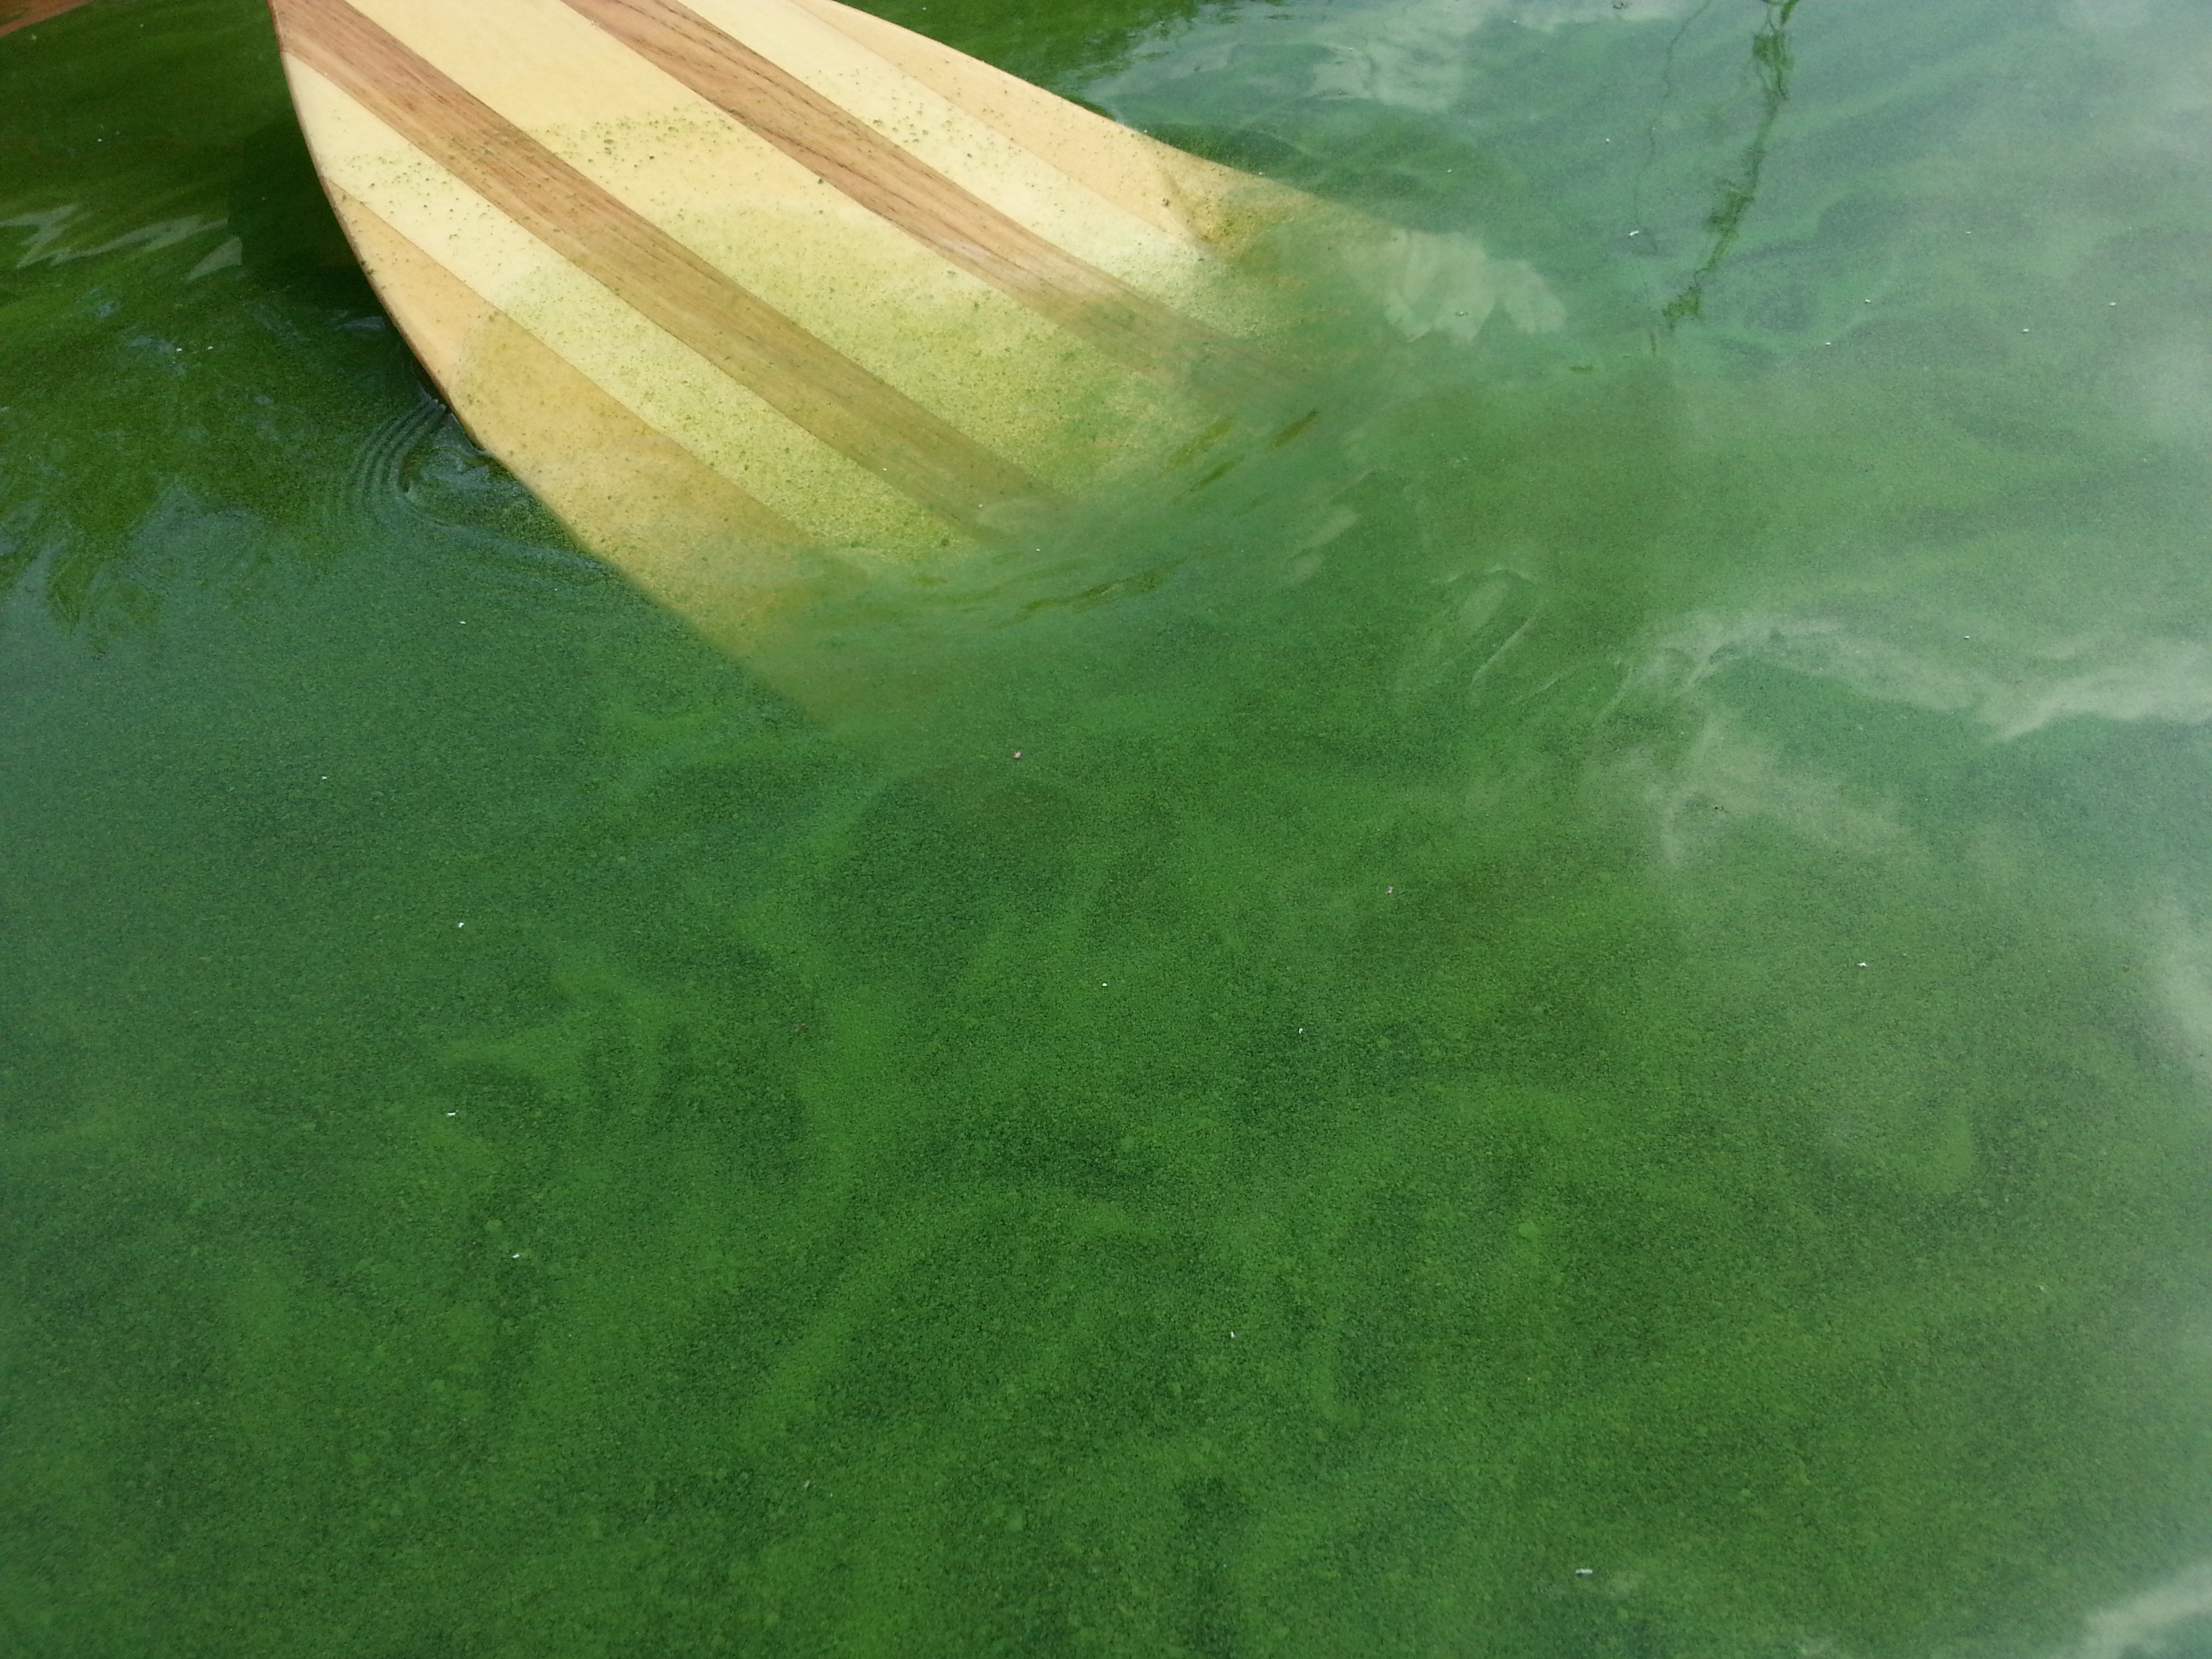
[{"x": 1566, "y": 1017}]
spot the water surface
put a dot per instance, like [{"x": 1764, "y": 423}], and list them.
[{"x": 1570, "y": 1021}]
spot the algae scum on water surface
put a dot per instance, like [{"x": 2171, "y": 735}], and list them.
[{"x": 1566, "y": 1020}]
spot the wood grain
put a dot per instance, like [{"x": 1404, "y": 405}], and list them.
[
  {"x": 811, "y": 384},
  {"x": 1198, "y": 200},
  {"x": 900, "y": 187}
]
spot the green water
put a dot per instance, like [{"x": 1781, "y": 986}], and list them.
[{"x": 1581, "y": 1032}]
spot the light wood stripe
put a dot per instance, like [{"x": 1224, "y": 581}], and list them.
[
  {"x": 900, "y": 187},
  {"x": 686, "y": 534},
  {"x": 449, "y": 322},
  {"x": 1197, "y": 201},
  {"x": 804, "y": 379}
]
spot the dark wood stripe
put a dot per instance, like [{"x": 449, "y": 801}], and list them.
[
  {"x": 894, "y": 183},
  {"x": 21, "y": 14},
  {"x": 803, "y": 378}
]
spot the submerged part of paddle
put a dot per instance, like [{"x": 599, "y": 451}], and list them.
[{"x": 731, "y": 282}]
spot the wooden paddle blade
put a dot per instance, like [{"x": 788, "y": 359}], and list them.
[{"x": 726, "y": 280}]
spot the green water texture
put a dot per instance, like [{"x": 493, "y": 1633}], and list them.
[{"x": 1570, "y": 1020}]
